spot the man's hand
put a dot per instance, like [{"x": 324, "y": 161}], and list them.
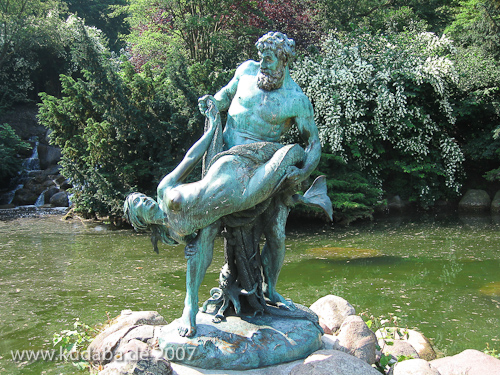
[{"x": 203, "y": 103}]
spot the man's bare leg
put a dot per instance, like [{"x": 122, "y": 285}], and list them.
[
  {"x": 199, "y": 255},
  {"x": 273, "y": 255}
]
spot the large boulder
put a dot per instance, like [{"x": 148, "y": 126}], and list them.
[
  {"x": 130, "y": 325},
  {"x": 475, "y": 200},
  {"x": 355, "y": 338},
  {"x": 25, "y": 197},
  {"x": 59, "y": 199},
  {"x": 333, "y": 362},
  {"x": 414, "y": 344},
  {"x": 495, "y": 203},
  {"x": 332, "y": 311},
  {"x": 399, "y": 348},
  {"x": 395, "y": 203},
  {"x": 470, "y": 362},
  {"x": 414, "y": 367},
  {"x": 48, "y": 155}
]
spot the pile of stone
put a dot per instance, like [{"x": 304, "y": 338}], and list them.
[{"x": 129, "y": 345}]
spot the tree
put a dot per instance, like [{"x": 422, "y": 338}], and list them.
[
  {"x": 29, "y": 30},
  {"x": 118, "y": 130},
  {"x": 476, "y": 29},
  {"x": 384, "y": 103},
  {"x": 106, "y": 15},
  {"x": 10, "y": 146}
]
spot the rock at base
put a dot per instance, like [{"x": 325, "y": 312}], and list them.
[
  {"x": 332, "y": 311},
  {"x": 414, "y": 367},
  {"x": 475, "y": 200},
  {"x": 356, "y": 339},
  {"x": 470, "y": 362},
  {"x": 333, "y": 362},
  {"x": 240, "y": 343}
]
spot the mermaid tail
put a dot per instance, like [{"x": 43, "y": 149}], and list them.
[{"x": 316, "y": 196}]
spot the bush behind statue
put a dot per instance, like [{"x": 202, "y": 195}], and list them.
[{"x": 383, "y": 102}]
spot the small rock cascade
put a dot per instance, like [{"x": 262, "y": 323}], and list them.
[{"x": 40, "y": 178}]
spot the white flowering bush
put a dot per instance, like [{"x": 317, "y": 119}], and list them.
[{"x": 384, "y": 103}]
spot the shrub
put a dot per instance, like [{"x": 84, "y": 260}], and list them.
[
  {"x": 10, "y": 146},
  {"x": 383, "y": 103}
]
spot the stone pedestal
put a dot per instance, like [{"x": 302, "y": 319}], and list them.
[{"x": 240, "y": 343}]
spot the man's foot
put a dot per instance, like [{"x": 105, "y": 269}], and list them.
[
  {"x": 187, "y": 328},
  {"x": 278, "y": 300}
]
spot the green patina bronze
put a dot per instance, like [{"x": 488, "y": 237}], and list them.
[{"x": 247, "y": 189}]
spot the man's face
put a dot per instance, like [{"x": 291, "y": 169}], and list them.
[
  {"x": 272, "y": 71},
  {"x": 268, "y": 61}
]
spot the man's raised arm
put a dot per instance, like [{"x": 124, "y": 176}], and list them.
[{"x": 224, "y": 97}]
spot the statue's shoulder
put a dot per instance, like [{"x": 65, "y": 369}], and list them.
[
  {"x": 300, "y": 100},
  {"x": 249, "y": 67}
]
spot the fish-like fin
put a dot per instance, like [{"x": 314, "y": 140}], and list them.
[{"x": 317, "y": 196}]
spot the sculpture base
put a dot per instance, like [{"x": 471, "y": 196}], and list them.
[{"x": 240, "y": 343}]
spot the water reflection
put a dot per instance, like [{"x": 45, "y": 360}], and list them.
[{"x": 439, "y": 275}]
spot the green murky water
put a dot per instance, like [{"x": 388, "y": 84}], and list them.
[{"x": 440, "y": 275}]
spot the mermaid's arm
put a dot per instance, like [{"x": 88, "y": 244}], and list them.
[{"x": 195, "y": 153}]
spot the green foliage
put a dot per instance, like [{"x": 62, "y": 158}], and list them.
[
  {"x": 384, "y": 103},
  {"x": 493, "y": 352},
  {"x": 388, "y": 331},
  {"x": 10, "y": 146},
  {"x": 31, "y": 35},
  {"x": 74, "y": 342},
  {"x": 104, "y": 15},
  {"x": 118, "y": 130},
  {"x": 197, "y": 30},
  {"x": 353, "y": 193},
  {"x": 476, "y": 30},
  {"x": 477, "y": 23}
]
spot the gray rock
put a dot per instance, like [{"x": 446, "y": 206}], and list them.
[
  {"x": 53, "y": 170},
  {"x": 333, "y": 362},
  {"x": 145, "y": 366},
  {"x": 48, "y": 155},
  {"x": 396, "y": 204},
  {"x": 60, "y": 199},
  {"x": 25, "y": 197},
  {"x": 283, "y": 369},
  {"x": 50, "y": 193},
  {"x": 355, "y": 338},
  {"x": 137, "y": 323},
  {"x": 495, "y": 204},
  {"x": 469, "y": 362},
  {"x": 421, "y": 344},
  {"x": 332, "y": 311},
  {"x": 475, "y": 200},
  {"x": 330, "y": 342},
  {"x": 414, "y": 367},
  {"x": 418, "y": 341},
  {"x": 399, "y": 348}
]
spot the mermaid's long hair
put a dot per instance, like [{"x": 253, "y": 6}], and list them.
[{"x": 141, "y": 223}]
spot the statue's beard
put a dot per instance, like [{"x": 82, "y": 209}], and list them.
[{"x": 270, "y": 80}]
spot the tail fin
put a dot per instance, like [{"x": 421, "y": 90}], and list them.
[{"x": 316, "y": 196}]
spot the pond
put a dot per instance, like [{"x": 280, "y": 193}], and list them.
[{"x": 439, "y": 275}]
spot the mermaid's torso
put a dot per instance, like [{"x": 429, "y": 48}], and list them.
[{"x": 223, "y": 190}]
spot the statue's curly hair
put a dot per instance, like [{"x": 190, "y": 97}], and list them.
[{"x": 279, "y": 43}]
